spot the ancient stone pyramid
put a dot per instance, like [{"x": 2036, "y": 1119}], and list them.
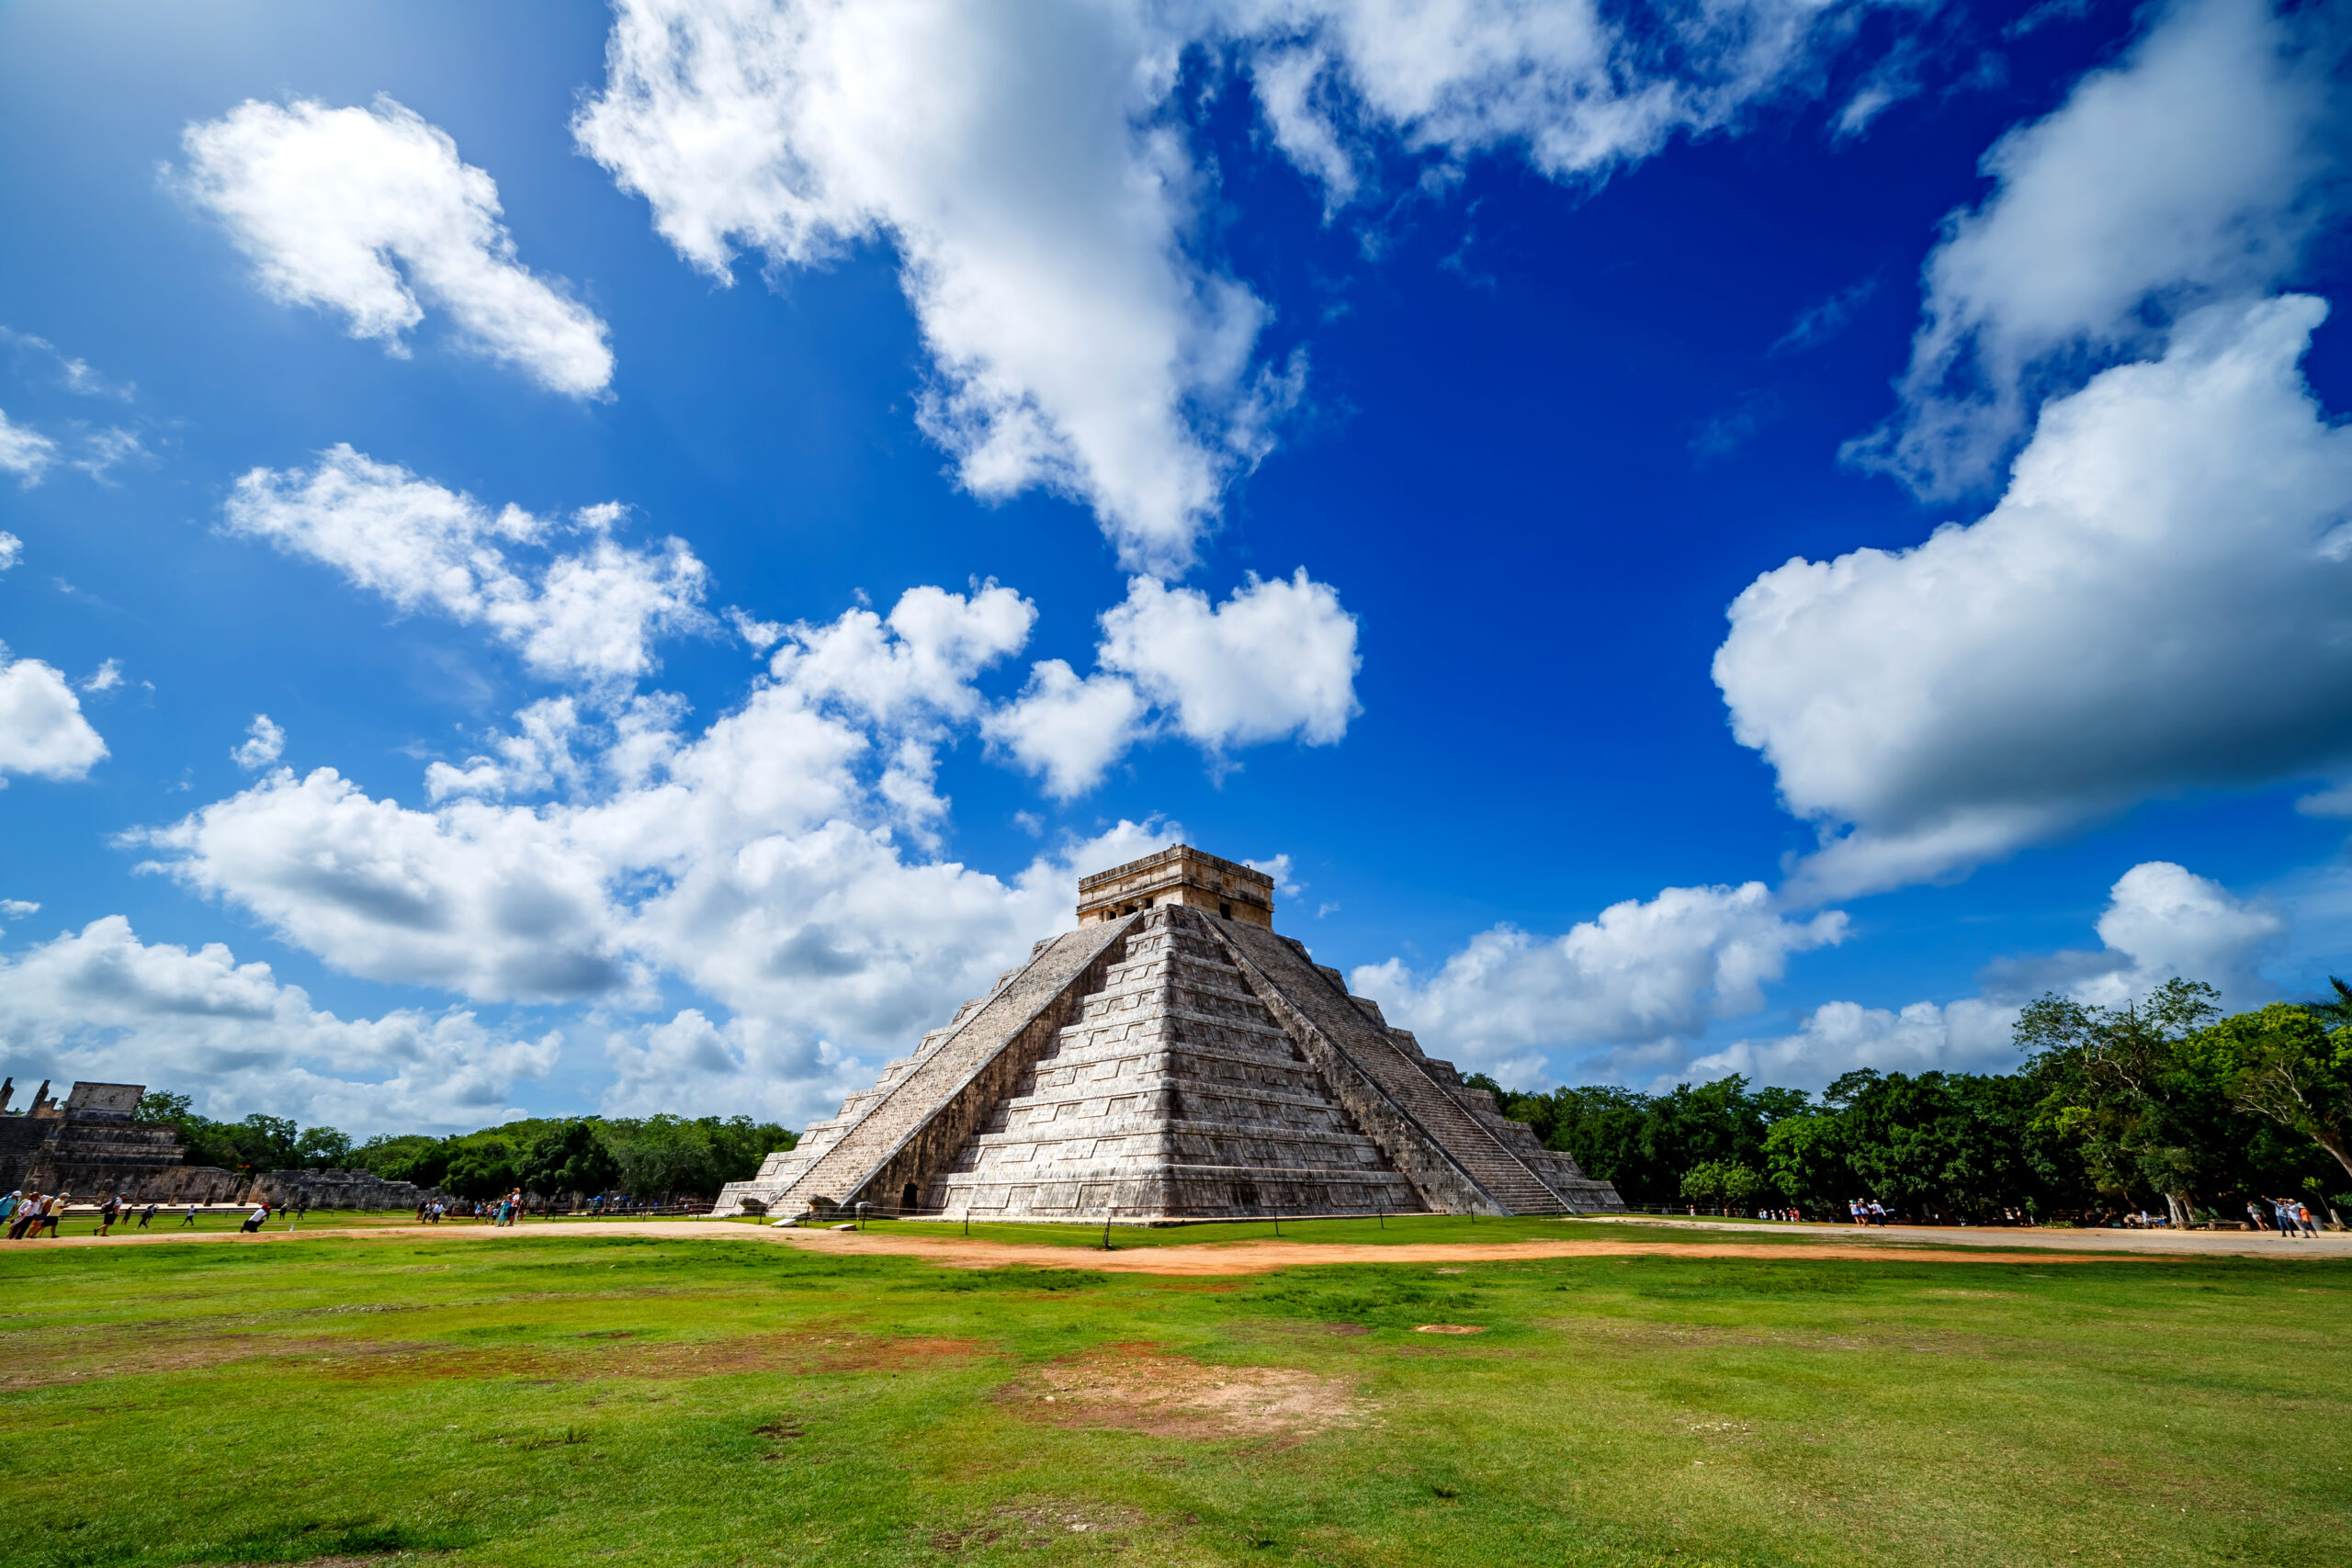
[{"x": 1171, "y": 1059}]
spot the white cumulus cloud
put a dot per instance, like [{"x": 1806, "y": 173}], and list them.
[
  {"x": 100, "y": 1004},
  {"x": 1031, "y": 164},
  {"x": 265, "y": 742},
  {"x": 2161, "y": 921},
  {"x": 42, "y": 732},
  {"x": 586, "y": 856},
  {"x": 1617, "y": 992},
  {"x": 2162, "y": 600},
  {"x": 2195, "y": 168},
  {"x": 371, "y": 213},
  {"x": 1277, "y": 661},
  {"x": 1067, "y": 731},
  {"x": 753, "y": 863},
  {"x": 592, "y": 613}
]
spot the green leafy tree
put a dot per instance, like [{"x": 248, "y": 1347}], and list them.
[
  {"x": 404, "y": 1156},
  {"x": 1702, "y": 1183},
  {"x": 322, "y": 1149},
  {"x": 571, "y": 1159},
  {"x": 2287, "y": 1064},
  {"x": 265, "y": 1143},
  {"x": 483, "y": 1168},
  {"x": 1925, "y": 1142},
  {"x": 1721, "y": 1184},
  {"x": 2149, "y": 1109},
  {"x": 161, "y": 1105},
  {"x": 1806, "y": 1157},
  {"x": 1643, "y": 1144},
  {"x": 664, "y": 1158},
  {"x": 1602, "y": 1128}
]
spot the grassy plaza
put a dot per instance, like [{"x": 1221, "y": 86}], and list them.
[{"x": 554, "y": 1395}]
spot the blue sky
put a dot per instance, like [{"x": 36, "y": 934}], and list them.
[{"x": 572, "y": 559}]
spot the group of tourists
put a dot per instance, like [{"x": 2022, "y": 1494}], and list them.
[
  {"x": 28, "y": 1213},
  {"x": 505, "y": 1212},
  {"x": 118, "y": 1207},
  {"x": 2290, "y": 1217}
]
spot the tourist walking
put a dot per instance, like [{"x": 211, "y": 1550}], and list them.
[
  {"x": 148, "y": 1215},
  {"x": 191, "y": 1216},
  {"x": 2285, "y": 1216},
  {"x": 106, "y": 1215},
  {"x": 53, "y": 1213},
  {"x": 2254, "y": 1214},
  {"x": 2304, "y": 1217},
  {"x": 255, "y": 1221}
]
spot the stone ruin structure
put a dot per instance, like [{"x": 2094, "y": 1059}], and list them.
[
  {"x": 93, "y": 1146},
  {"x": 87, "y": 1142},
  {"x": 335, "y": 1190},
  {"x": 1173, "y": 1057}
]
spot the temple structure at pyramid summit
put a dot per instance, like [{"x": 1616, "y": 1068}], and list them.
[{"x": 1174, "y": 1057}]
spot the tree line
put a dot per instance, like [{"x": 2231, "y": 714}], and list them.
[
  {"x": 2164, "y": 1104},
  {"x": 649, "y": 1158}
]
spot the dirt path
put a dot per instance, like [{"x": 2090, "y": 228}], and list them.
[{"x": 1209, "y": 1258}]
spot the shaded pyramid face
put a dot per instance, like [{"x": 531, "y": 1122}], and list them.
[
  {"x": 1173, "y": 1057},
  {"x": 1175, "y": 1093}
]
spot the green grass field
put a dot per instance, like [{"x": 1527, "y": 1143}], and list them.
[{"x": 559, "y": 1397}]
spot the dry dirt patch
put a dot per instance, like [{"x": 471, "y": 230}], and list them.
[
  {"x": 1139, "y": 1390},
  {"x": 1447, "y": 1328},
  {"x": 1034, "y": 1525}
]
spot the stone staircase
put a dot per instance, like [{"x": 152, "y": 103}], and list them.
[
  {"x": 1320, "y": 997},
  {"x": 916, "y": 1091},
  {"x": 1173, "y": 1093}
]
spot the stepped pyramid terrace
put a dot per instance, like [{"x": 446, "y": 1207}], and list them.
[{"x": 1173, "y": 1057}]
